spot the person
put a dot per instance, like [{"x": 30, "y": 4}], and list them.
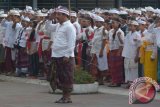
[
  {"x": 99, "y": 50},
  {"x": 2, "y": 49},
  {"x": 154, "y": 28},
  {"x": 12, "y": 23},
  {"x": 21, "y": 54},
  {"x": 148, "y": 55},
  {"x": 116, "y": 40},
  {"x": 78, "y": 31},
  {"x": 32, "y": 52},
  {"x": 131, "y": 53},
  {"x": 86, "y": 36},
  {"x": 63, "y": 45},
  {"x": 143, "y": 31}
]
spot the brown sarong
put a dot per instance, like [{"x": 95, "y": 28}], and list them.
[
  {"x": 116, "y": 66},
  {"x": 9, "y": 63},
  {"x": 22, "y": 58},
  {"x": 93, "y": 67},
  {"x": 64, "y": 73}
]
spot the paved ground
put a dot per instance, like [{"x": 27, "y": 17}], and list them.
[{"x": 27, "y": 95}]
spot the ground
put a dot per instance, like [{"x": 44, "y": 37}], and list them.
[{"x": 13, "y": 94}]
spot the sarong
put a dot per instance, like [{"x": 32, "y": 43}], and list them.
[
  {"x": 22, "y": 59},
  {"x": 150, "y": 67},
  {"x": 64, "y": 73},
  {"x": 116, "y": 67},
  {"x": 34, "y": 64},
  {"x": 9, "y": 63},
  {"x": 158, "y": 65},
  {"x": 2, "y": 54}
]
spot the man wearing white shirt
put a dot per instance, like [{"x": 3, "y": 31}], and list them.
[
  {"x": 63, "y": 45},
  {"x": 78, "y": 31},
  {"x": 11, "y": 24},
  {"x": 2, "y": 49}
]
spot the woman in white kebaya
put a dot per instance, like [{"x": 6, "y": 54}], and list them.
[
  {"x": 98, "y": 48},
  {"x": 115, "y": 60},
  {"x": 131, "y": 53}
]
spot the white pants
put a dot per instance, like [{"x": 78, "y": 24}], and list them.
[{"x": 131, "y": 69}]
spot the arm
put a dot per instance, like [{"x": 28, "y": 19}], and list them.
[{"x": 71, "y": 40}]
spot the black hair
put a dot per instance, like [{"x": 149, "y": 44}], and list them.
[{"x": 33, "y": 31}]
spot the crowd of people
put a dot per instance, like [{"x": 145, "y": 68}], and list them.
[{"x": 117, "y": 45}]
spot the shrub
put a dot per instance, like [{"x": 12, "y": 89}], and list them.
[{"x": 82, "y": 77}]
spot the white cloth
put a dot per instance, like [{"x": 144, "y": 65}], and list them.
[
  {"x": 2, "y": 34},
  {"x": 78, "y": 29},
  {"x": 83, "y": 33},
  {"x": 115, "y": 44},
  {"x": 131, "y": 46},
  {"x": 21, "y": 37},
  {"x": 156, "y": 32},
  {"x": 102, "y": 61},
  {"x": 149, "y": 37},
  {"x": 131, "y": 69},
  {"x": 10, "y": 34},
  {"x": 98, "y": 39},
  {"x": 64, "y": 40}
]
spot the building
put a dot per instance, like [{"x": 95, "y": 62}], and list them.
[{"x": 78, "y": 4}]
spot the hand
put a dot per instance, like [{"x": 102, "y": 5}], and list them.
[
  {"x": 135, "y": 40},
  {"x": 101, "y": 53},
  {"x": 136, "y": 59},
  {"x": 104, "y": 33},
  {"x": 119, "y": 53},
  {"x": 65, "y": 59},
  {"x": 119, "y": 34},
  {"x": 152, "y": 59},
  {"x": 48, "y": 49}
]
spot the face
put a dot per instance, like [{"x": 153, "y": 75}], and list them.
[
  {"x": 107, "y": 26},
  {"x": 30, "y": 15},
  {"x": 85, "y": 23},
  {"x": 73, "y": 19},
  {"x": 52, "y": 16},
  {"x": 115, "y": 24},
  {"x": 60, "y": 17},
  {"x": 16, "y": 18},
  {"x": 141, "y": 27},
  {"x": 23, "y": 23},
  {"x": 98, "y": 24},
  {"x": 132, "y": 27}
]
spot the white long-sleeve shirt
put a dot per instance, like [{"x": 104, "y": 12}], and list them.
[
  {"x": 78, "y": 29},
  {"x": 115, "y": 44},
  {"x": 130, "y": 45},
  {"x": 64, "y": 40},
  {"x": 155, "y": 31},
  {"x": 2, "y": 34},
  {"x": 10, "y": 34}
]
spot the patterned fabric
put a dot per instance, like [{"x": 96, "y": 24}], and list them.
[
  {"x": 64, "y": 73},
  {"x": 34, "y": 64},
  {"x": 2, "y": 54},
  {"x": 22, "y": 60},
  {"x": 9, "y": 64},
  {"x": 46, "y": 56},
  {"x": 93, "y": 68},
  {"x": 158, "y": 65},
  {"x": 116, "y": 66}
]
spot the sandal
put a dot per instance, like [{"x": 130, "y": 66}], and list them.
[
  {"x": 114, "y": 85},
  {"x": 64, "y": 100}
]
